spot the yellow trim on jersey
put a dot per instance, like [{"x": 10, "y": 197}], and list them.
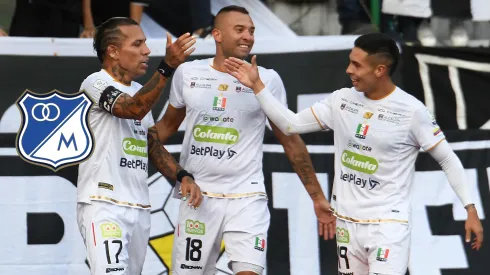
[
  {"x": 233, "y": 196},
  {"x": 317, "y": 120},
  {"x": 434, "y": 146},
  {"x": 102, "y": 198},
  {"x": 365, "y": 221}
]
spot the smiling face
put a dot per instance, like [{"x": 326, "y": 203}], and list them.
[
  {"x": 363, "y": 70},
  {"x": 234, "y": 34},
  {"x": 132, "y": 52}
]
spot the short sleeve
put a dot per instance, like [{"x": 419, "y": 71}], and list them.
[
  {"x": 102, "y": 93},
  {"x": 276, "y": 87},
  {"x": 425, "y": 133},
  {"x": 177, "y": 89},
  {"x": 94, "y": 88},
  {"x": 323, "y": 111}
]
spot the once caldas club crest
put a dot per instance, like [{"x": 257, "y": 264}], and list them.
[{"x": 54, "y": 132}]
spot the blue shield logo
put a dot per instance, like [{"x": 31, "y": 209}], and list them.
[{"x": 54, "y": 132}]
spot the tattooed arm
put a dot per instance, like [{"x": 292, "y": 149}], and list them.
[
  {"x": 300, "y": 160},
  {"x": 137, "y": 106},
  {"x": 169, "y": 167},
  {"x": 160, "y": 157}
]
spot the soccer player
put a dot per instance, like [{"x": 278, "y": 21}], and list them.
[
  {"x": 113, "y": 201},
  {"x": 378, "y": 132},
  {"x": 222, "y": 148}
]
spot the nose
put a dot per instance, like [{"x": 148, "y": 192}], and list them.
[
  {"x": 146, "y": 50},
  {"x": 248, "y": 36},
  {"x": 349, "y": 70}
]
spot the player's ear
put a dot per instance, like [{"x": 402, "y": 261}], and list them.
[
  {"x": 113, "y": 52},
  {"x": 380, "y": 70},
  {"x": 217, "y": 35}
]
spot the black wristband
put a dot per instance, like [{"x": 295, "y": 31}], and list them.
[
  {"x": 182, "y": 173},
  {"x": 165, "y": 69}
]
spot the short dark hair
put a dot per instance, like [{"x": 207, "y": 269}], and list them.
[
  {"x": 382, "y": 45},
  {"x": 229, "y": 9},
  {"x": 109, "y": 33}
]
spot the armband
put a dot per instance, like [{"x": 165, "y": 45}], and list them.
[{"x": 108, "y": 98}]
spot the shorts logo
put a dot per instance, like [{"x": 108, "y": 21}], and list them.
[
  {"x": 195, "y": 227},
  {"x": 184, "y": 266},
  {"x": 382, "y": 255},
  {"x": 259, "y": 244},
  {"x": 343, "y": 235},
  {"x": 111, "y": 230}
]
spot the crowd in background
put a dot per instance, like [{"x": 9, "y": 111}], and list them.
[{"x": 78, "y": 18}]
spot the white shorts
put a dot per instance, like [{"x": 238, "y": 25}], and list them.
[
  {"x": 241, "y": 223},
  {"x": 364, "y": 249},
  {"x": 116, "y": 237}
]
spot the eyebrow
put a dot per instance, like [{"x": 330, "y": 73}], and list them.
[{"x": 243, "y": 26}]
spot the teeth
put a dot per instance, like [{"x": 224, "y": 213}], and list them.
[{"x": 243, "y": 46}]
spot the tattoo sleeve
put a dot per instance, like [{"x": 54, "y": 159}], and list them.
[
  {"x": 301, "y": 162},
  {"x": 160, "y": 157},
  {"x": 137, "y": 106}
]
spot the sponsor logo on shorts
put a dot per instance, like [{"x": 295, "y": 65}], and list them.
[
  {"x": 111, "y": 230},
  {"x": 133, "y": 164},
  {"x": 352, "y": 144},
  {"x": 361, "y": 163},
  {"x": 135, "y": 147},
  {"x": 211, "y": 151},
  {"x": 184, "y": 266},
  {"x": 112, "y": 269},
  {"x": 195, "y": 227},
  {"x": 382, "y": 254},
  {"x": 343, "y": 235},
  {"x": 352, "y": 178},
  {"x": 215, "y": 134},
  {"x": 259, "y": 243}
]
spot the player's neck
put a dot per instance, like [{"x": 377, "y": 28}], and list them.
[
  {"x": 381, "y": 91},
  {"x": 119, "y": 74},
  {"x": 218, "y": 63}
]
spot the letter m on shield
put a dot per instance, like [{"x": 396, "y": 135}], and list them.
[{"x": 54, "y": 132}]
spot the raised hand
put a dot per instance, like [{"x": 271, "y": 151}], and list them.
[
  {"x": 246, "y": 73},
  {"x": 178, "y": 51}
]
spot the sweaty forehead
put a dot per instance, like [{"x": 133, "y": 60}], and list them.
[{"x": 233, "y": 18}]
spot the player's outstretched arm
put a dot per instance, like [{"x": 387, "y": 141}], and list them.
[
  {"x": 169, "y": 167},
  {"x": 169, "y": 124},
  {"x": 456, "y": 176},
  {"x": 300, "y": 160},
  {"x": 287, "y": 121},
  {"x": 137, "y": 106}
]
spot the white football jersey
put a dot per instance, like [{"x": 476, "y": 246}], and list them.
[
  {"x": 118, "y": 168},
  {"x": 225, "y": 127},
  {"x": 376, "y": 145}
]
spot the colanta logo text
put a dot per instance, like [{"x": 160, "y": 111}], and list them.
[
  {"x": 358, "y": 162},
  {"x": 215, "y": 134}
]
